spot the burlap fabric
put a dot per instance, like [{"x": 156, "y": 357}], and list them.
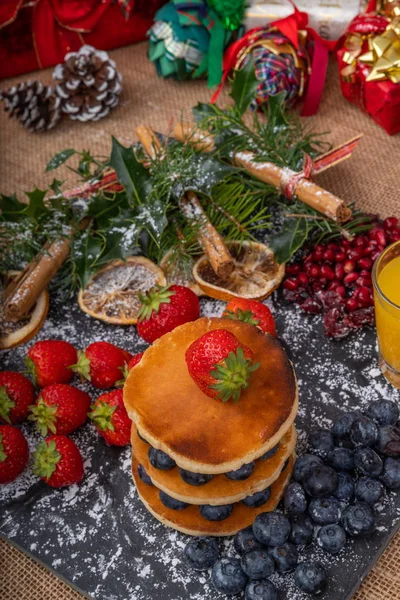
[{"x": 370, "y": 178}]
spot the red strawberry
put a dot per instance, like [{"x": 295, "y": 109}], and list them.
[
  {"x": 110, "y": 418},
  {"x": 14, "y": 453},
  {"x": 58, "y": 462},
  {"x": 251, "y": 311},
  {"x": 50, "y": 362},
  {"x": 60, "y": 408},
  {"x": 16, "y": 394},
  {"x": 136, "y": 358},
  {"x": 164, "y": 308},
  {"x": 102, "y": 364},
  {"x": 220, "y": 365}
]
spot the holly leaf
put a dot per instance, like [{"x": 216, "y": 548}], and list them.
[
  {"x": 276, "y": 117},
  {"x": 60, "y": 158},
  {"x": 36, "y": 207},
  {"x": 289, "y": 239},
  {"x": 86, "y": 249},
  {"x": 244, "y": 87},
  {"x": 11, "y": 208},
  {"x": 56, "y": 186},
  {"x": 152, "y": 218},
  {"x": 119, "y": 242},
  {"x": 210, "y": 171},
  {"x": 131, "y": 173}
]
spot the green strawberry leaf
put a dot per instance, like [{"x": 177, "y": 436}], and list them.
[
  {"x": 232, "y": 375},
  {"x": 244, "y": 87},
  {"x": 60, "y": 158},
  {"x": 289, "y": 239},
  {"x": 101, "y": 415},
  {"x": 44, "y": 417},
  {"x": 82, "y": 367},
  {"x": 3, "y": 455},
  {"x": 131, "y": 173},
  {"x": 45, "y": 459}
]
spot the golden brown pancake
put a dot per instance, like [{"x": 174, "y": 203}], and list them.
[
  {"x": 200, "y": 433},
  {"x": 190, "y": 520},
  {"x": 221, "y": 489}
]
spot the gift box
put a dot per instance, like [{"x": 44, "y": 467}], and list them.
[
  {"x": 369, "y": 68},
  {"x": 35, "y": 34}
]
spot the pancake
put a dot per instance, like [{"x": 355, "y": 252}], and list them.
[
  {"x": 200, "y": 433},
  {"x": 221, "y": 489},
  {"x": 191, "y": 522}
]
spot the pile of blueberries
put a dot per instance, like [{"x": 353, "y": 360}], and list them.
[{"x": 333, "y": 493}]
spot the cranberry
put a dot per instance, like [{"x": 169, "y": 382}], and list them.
[
  {"x": 380, "y": 236},
  {"x": 334, "y": 325},
  {"x": 395, "y": 236},
  {"x": 339, "y": 271},
  {"x": 372, "y": 246},
  {"x": 365, "y": 263},
  {"x": 363, "y": 295},
  {"x": 329, "y": 299},
  {"x": 312, "y": 306},
  {"x": 333, "y": 246},
  {"x": 340, "y": 256},
  {"x": 360, "y": 240},
  {"x": 319, "y": 284},
  {"x": 390, "y": 223},
  {"x": 345, "y": 244},
  {"x": 349, "y": 266},
  {"x": 293, "y": 269},
  {"x": 327, "y": 272},
  {"x": 302, "y": 279},
  {"x": 360, "y": 317},
  {"x": 351, "y": 304},
  {"x": 375, "y": 255},
  {"x": 351, "y": 278},
  {"x": 364, "y": 281},
  {"x": 309, "y": 258},
  {"x": 355, "y": 253},
  {"x": 341, "y": 290},
  {"x": 315, "y": 271},
  {"x": 329, "y": 255},
  {"x": 290, "y": 284}
]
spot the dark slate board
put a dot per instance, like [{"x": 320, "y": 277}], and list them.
[{"x": 100, "y": 539}]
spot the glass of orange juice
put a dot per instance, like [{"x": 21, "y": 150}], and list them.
[{"x": 386, "y": 281}]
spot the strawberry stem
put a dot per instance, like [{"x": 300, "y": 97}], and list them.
[
  {"x": 82, "y": 367},
  {"x": 233, "y": 375},
  {"x": 152, "y": 300},
  {"x": 241, "y": 315},
  {"x": 44, "y": 417},
  {"x": 3, "y": 455},
  {"x": 101, "y": 415},
  {"x": 6, "y": 404},
  {"x": 46, "y": 457}
]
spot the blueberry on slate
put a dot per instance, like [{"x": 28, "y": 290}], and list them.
[
  {"x": 321, "y": 482},
  {"x": 358, "y": 519},
  {"x": 345, "y": 488},
  {"x": 384, "y": 412},
  {"x": 170, "y": 502},
  {"x": 270, "y": 453},
  {"x": 369, "y": 490},
  {"x": 388, "y": 441},
  {"x": 244, "y": 541},
  {"x": 194, "y": 478},
  {"x": 160, "y": 460},
  {"x": 341, "y": 459},
  {"x": 391, "y": 473},
  {"x": 257, "y": 564},
  {"x": 257, "y": 499},
  {"x": 295, "y": 499},
  {"x": 341, "y": 427},
  {"x": 322, "y": 442},
  {"x": 242, "y": 473},
  {"x": 285, "y": 557},
  {"x": 261, "y": 590},
  {"x": 331, "y": 538},
  {"x": 228, "y": 576},
  {"x": 310, "y": 577},
  {"x": 201, "y": 553},
  {"x": 304, "y": 464},
  {"x": 141, "y": 437},
  {"x": 363, "y": 432},
  {"x": 325, "y": 511},
  {"x": 271, "y": 529},
  {"x": 368, "y": 461},
  {"x": 216, "y": 513},
  {"x": 143, "y": 475},
  {"x": 302, "y": 530}
]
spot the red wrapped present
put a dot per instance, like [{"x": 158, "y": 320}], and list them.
[
  {"x": 38, "y": 33},
  {"x": 369, "y": 68}
]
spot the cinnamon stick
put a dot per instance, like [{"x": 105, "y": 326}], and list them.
[
  {"x": 201, "y": 140},
  {"x": 150, "y": 142}
]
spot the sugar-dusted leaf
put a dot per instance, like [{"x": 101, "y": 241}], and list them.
[
  {"x": 209, "y": 172},
  {"x": 152, "y": 218},
  {"x": 291, "y": 237},
  {"x": 120, "y": 241},
  {"x": 60, "y": 158},
  {"x": 131, "y": 173},
  {"x": 244, "y": 87},
  {"x": 86, "y": 249},
  {"x": 36, "y": 207}
]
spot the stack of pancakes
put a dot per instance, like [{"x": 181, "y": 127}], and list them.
[{"x": 204, "y": 435}]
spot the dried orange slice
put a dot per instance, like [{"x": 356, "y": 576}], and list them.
[
  {"x": 111, "y": 294},
  {"x": 175, "y": 273},
  {"x": 256, "y": 274},
  {"x": 15, "y": 334}
]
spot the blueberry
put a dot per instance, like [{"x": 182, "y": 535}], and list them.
[
  {"x": 228, "y": 576},
  {"x": 304, "y": 464},
  {"x": 310, "y": 577},
  {"x": 257, "y": 564},
  {"x": 261, "y": 590},
  {"x": 388, "y": 441},
  {"x": 201, "y": 553},
  {"x": 216, "y": 513},
  {"x": 245, "y": 541},
  {"x": 242, "y": 473},
  {"x": 285, "y": 557},
  {"x": 363, "y": 432},
  {"x": 302, "y": 530},
  {"x": 295, "y": 499},
  {"x": 358, "y": 519},
  {"x": 257, "y": 499},
  {"x": 331, "y": 538},
  {"x": 368, "y": 462},
  {"x": 170, "y": 502},
  {"x": 143, "y": 475},
  {"x": 325, "y": 511},
  {"x": 345, "y": 488},
  {"x": 341, "y": 427},
  {"x": 322, "y": 442},
  {"x": 270, "y": 453},
  {"x": 369, "y": 490},
  {"x": 391, "y": 473},
  {"x": 194, "y": 478},
  {"x": 321, "y": 482},
  {"x": 341, "y": 459},
  {"x": 271, "y": 529},
  {"x": 384, "y": 412},
  {"x": 160, "y": 460},
  {"x": 141, "y": 437}
]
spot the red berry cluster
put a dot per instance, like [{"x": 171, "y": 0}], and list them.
[{"x": 335, "y": 278}]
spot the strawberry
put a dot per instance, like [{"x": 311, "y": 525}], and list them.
[
  {"x": 220, "y": 365},
  {"x": 110, "y": 418},
  {"x": 251, "y": 311},
  {"x": 50, "y": 362},
  {"x": 136, "y": 358},
  {"x": 58, "y": 461},
  {"x": 14, "y": 453},
  {"x": 164, "y": 308},
  {"x": 102, "y": 364},
  {"x": 60, "y": 408},
  {"x": 16, "y": 394}
]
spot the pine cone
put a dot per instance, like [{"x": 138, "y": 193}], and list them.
[
  {"x": 35, "y": 105},
  {"x": 88, "y": 84}
]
